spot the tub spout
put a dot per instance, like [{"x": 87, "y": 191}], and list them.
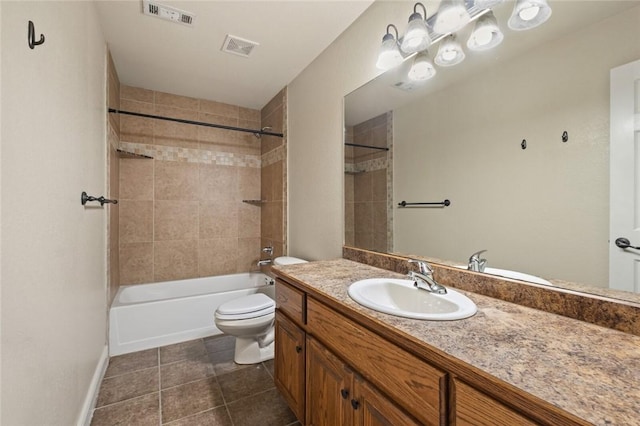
[{"x": 263, "y": 262}]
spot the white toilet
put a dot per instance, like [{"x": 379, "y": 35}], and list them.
[{"x": 250, "y": 319}]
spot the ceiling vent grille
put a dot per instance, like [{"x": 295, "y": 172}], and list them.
[
  {"x": 168, "y": 13},
  {"x": 238, "y": 46}
]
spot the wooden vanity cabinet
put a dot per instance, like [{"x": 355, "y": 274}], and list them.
[
  {"x": 289, "y": 365},
  {"x": 290, "y": 346},
  {"x": 473, "y": 408},
  {"x": 336, "y": 395}
]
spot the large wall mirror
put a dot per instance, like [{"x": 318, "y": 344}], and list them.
[{"x": 543, "y": 210}]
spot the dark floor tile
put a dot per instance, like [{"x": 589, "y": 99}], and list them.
[
  {"x": 141, "y": 411},
  {"x": 186, "y": 350},
  {"x": 220, "y": 343},
  {"x": 216, "y": 417},
  {"x": 191, "y": 398},
  {"x": 269, "y": 366},
  {"x": 245, "y": 382},
  {"x": 223, "y": 362},
  {"x": 188, "y": 370},
  {"x": 128, "y": 363},
  {"x": 127, "y": 386},
  {"x": 264, "y": 409}
]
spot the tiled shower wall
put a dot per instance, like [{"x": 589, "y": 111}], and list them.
[
  {"x": 274, "y": 178},
  {"x": 181, "y": 213},
  {"x": 368, "y": 185}
]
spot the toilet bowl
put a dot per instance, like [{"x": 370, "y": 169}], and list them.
[{"x": 250, "y": 319}]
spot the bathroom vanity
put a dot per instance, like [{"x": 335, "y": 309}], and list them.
[{"x": 339, "y": 363}]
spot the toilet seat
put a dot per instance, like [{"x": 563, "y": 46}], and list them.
[{"x": 251, "y": 306}]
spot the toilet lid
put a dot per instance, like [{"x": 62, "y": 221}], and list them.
[
  {"x": 288, "y": 260},
  {"x": 250, "y": 306}
]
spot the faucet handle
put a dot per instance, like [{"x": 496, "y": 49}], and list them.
[
  {"x": 424, "y": 267},
  {"x": 476, "y": 256}
]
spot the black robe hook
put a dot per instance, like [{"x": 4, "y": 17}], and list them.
[{"x": 31, "y": 37}]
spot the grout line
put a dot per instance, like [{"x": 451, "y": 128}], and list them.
[
  {"x": 128, "y": 372},
  {"x": 124, "y": 400}
]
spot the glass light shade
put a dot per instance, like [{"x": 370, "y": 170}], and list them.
[
  {"x": 449, "y": 53},
  {"x": 389, "y": 55},
  {"x": 416, "y": 38},
  {"x": 452, "y": 15},
  {"x": 486, "y": 34},
  {"x": 529, "y": 14},
  {"x": 422, "y": 68}
]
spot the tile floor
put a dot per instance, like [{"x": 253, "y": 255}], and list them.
[{"x": 190, "y": 383}]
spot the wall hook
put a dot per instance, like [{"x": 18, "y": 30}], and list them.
[
  {"x": 565, "y": 136},
  {"x": 523, "y": 144},
  {"x": 31, "y": 36},
  {"x": 84, "y": 198}
]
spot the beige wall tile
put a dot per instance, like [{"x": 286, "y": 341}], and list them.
[
  {"x": 136, "y": 93},
  {"x": 219, "y": 108},
  {"x": 362, "y": 187},
  {"x": 273, "y": 104},
  {"x": 113, "y": 266},
  {"x": 217, "y": 256},
  {"x": 136, "y": 129},
  {"x": 218, "y": 183},
  {"x": 169, "y": 133},
  {"x": 249, "y": 221},
  {"x": 177, "y": 101},
  {"x": 175, "y": 220},
  {"x": 248, "y": 183},
  {"x": 216, "y": 136},
  {"x": 218, "y": 219},
  {"x": 249, "y": 114},
  {"x": 249, "y": 252},
  {"x": 364, "y": 240},
  {"x": 136, "y": 221},
  {"x": 175, "y": 180},
  {"x": 363, "y": 217},
  {"x": 379, "y": 185},
  {"x": 269, "y": 143},
  {"x": 175, "y": 260},
  {"x": 136, "y": 263},
  {"x": 136, "y": 179},
  {"x": 379, "y": 216}
]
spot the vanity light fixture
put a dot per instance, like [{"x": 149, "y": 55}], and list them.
[
  {"x": 486, "y": 33},
  {"x": 452, "y": 15},
  {"x": 422, "y": 68},
  {"x": 450, "y": 52},
  {"x": 416, "y": 37},
  {"x": 389, "y": 55},
  {"x": 529, "y": 14}
]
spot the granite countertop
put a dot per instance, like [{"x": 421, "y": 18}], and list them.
[{"x": 587, "y": 370}]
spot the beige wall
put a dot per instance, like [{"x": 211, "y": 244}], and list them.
[
  {"x": 315, "y": 119},
  {"x": 543, "y": 210},
  {"x": 53, "y": 249},
  {"x": 181, "y": 214},
  {"x": 113, "y": 181}
]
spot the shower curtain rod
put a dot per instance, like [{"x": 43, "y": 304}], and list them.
[
  {"x": 197, "y": 123},
  {"x": 357, "y": 145}
]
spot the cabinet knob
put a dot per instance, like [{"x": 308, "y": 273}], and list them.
[
  {"x": 344, "y": 393},
  {"x": 355, "y": 404},
  {"x": 298, "y": 349}
]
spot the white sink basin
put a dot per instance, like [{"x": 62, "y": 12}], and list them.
[
  {"x": 399, "y": 297},
  {"x": 514, "y": 275}
]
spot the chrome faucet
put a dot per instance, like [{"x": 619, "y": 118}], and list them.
[
  {"x": 268, "y": 249},
  {"x": 424, "y": 279},
  {"x": 475, "y": 263},
  {"x": 263, "y": 262}
]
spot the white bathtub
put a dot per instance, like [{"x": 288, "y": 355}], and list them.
[{"x": 149, "y": 315}]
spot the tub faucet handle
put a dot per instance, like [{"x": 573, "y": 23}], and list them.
[{"x": 268, "y": 249}]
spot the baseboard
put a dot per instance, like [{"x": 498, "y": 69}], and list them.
[{"x": 84, "y": 419}]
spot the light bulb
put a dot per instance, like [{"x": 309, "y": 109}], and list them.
[
  {"x": 529, "y": 13},
  {"x": 449, "y": 55},
  {"x": 422, "y": 68},
  {"x": 483, "y": 36},
  {"x": 452, "y": 15}
]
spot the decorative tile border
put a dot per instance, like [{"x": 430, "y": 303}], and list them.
[
  {"x": 366, "y": 166},
  {"x": 202, "y": 156},
  {"x": 273, "y": 156}
]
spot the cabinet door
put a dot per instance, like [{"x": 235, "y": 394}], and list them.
[
  {"x": 374, "y": 409},
  {"x": 329, "y": 388},
  {"x": 289, "y": 363},
  {"x": 474, "y": 408}
]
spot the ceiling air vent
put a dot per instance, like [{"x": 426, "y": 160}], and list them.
[
  {"x": 167, "y": 12},
  {"x": 238, "y": 46}
]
